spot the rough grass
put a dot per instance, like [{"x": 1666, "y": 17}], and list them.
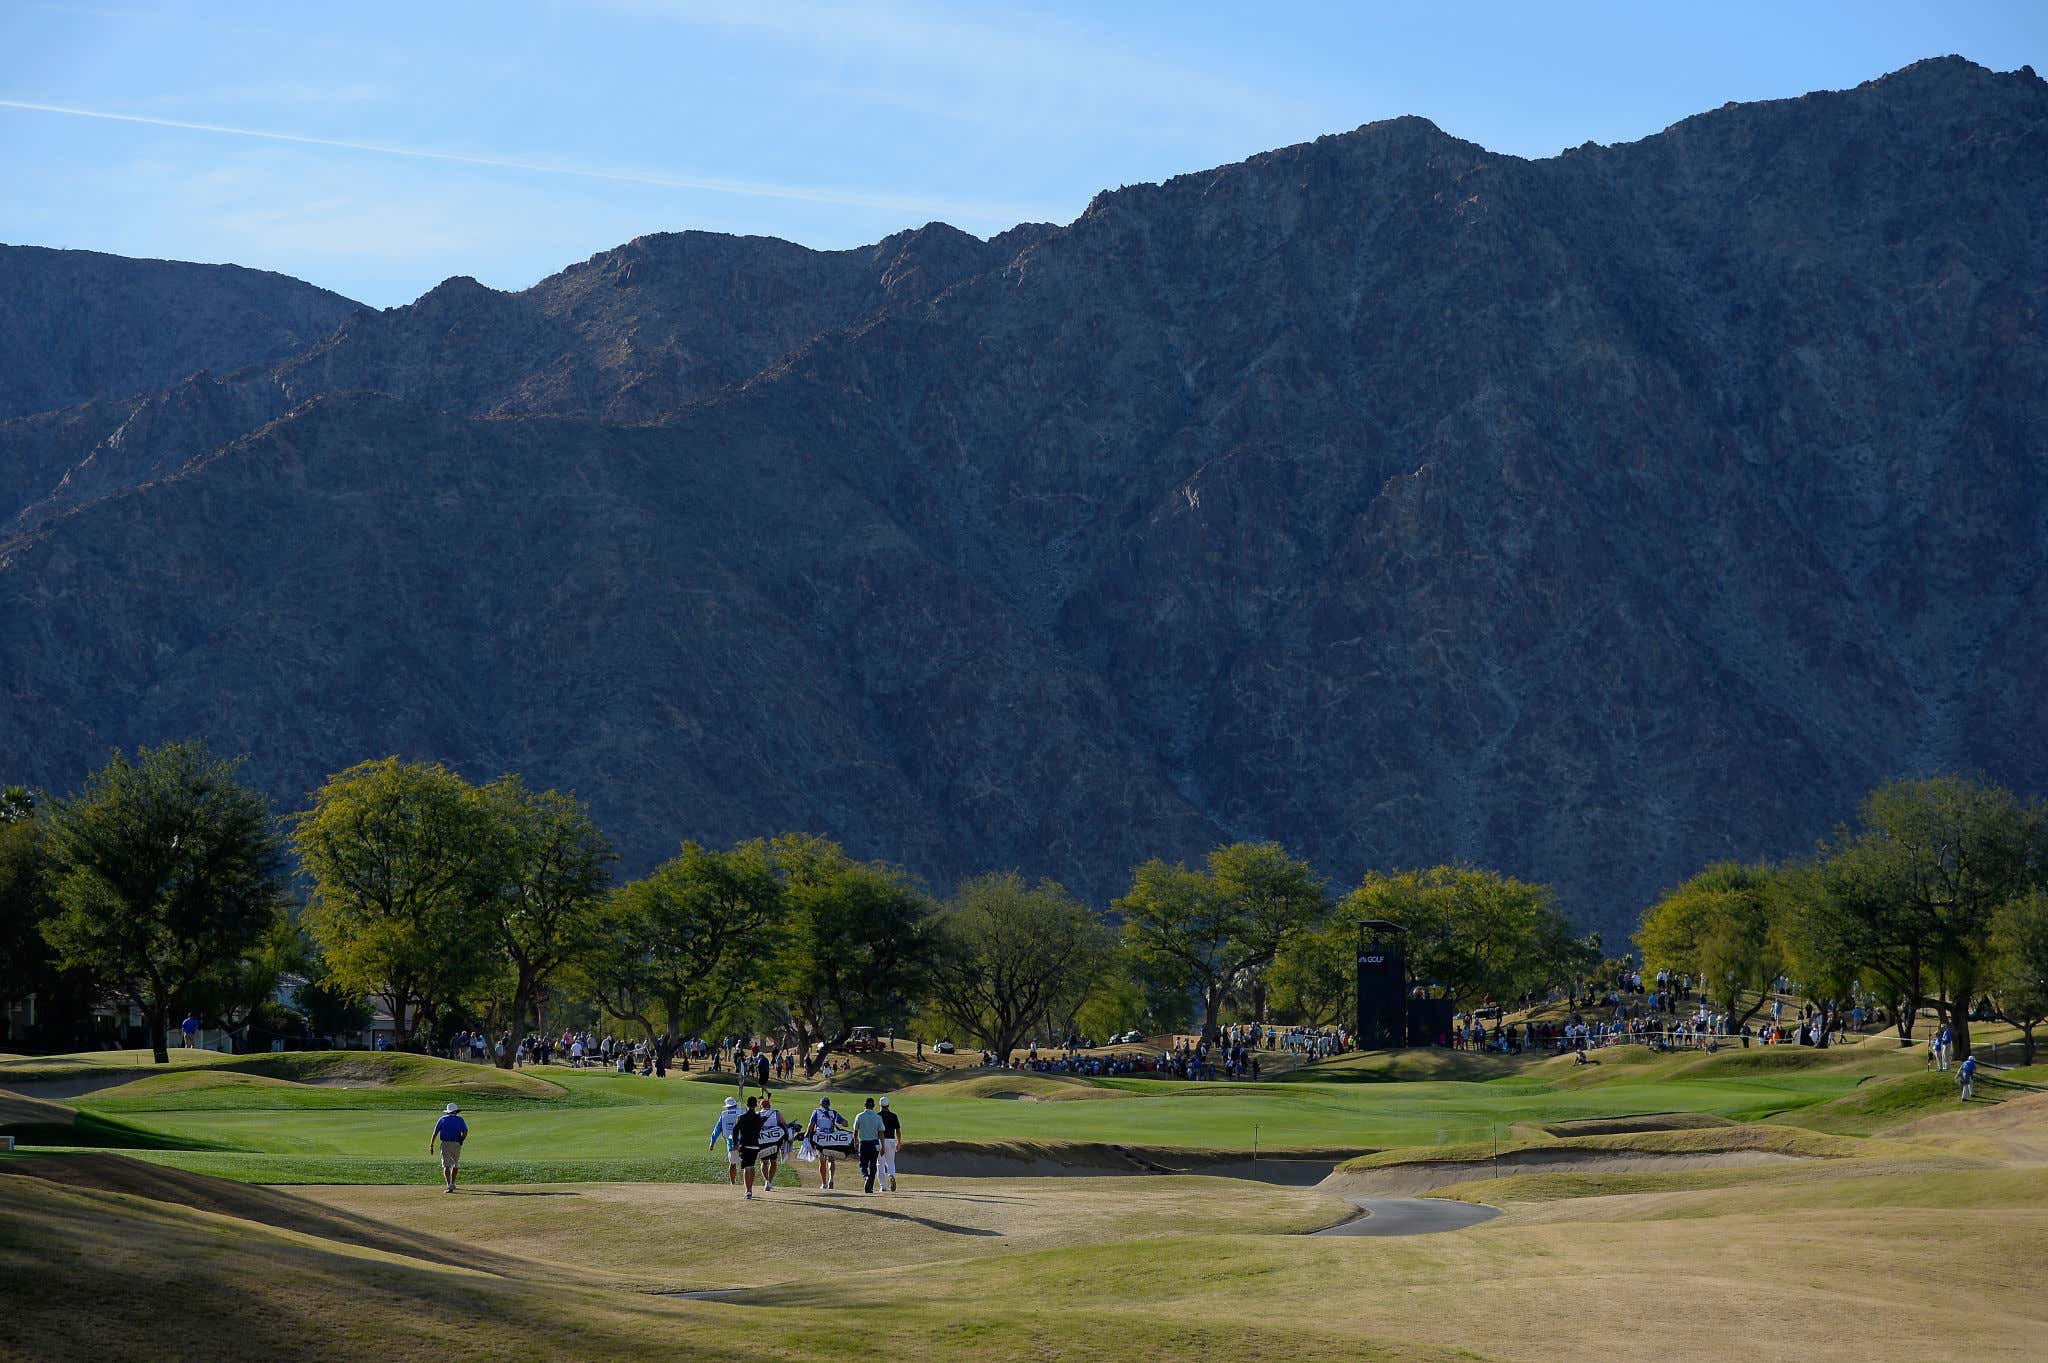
[
  {"x": 165, "y": 1266},
  {"x": 167, "y": 1279},
  {"x": 628, "y": 1231}
]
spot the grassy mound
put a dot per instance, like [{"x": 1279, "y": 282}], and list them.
[
  {"x": 879, "y": 1072},
  {"x": 1774, "y": 1060},
  {"x": 1618, "y": 1126},
  {"x": 1052, "y": 1088},
  {"x": 396, "y": 1070},
  {"x": 1881, "y": 1104},
  {"x": 1605, "y": 1067},
  {"x": 1717, "y": 1138},
  {"x": 1393, "y": 1067},
  {"x": 321, "y": 1080}
]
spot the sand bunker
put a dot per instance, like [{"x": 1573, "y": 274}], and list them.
[
  {"x": 1398, "y": 1179},
  {"x": 19, "y": 1110},
  {"x": 1410, "y": 1216},
  {"x": 77, "y": 1086},
  {"x": 1021, "y": 1159}
]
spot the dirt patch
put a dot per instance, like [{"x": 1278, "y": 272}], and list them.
[{"x": 1401, "y": 1179}]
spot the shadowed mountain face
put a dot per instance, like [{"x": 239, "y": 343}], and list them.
[
  {"x": 1589, "y": 517},
  {"x": 78, "y": 325}
]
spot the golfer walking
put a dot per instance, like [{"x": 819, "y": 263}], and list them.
[
  {"x": 824, "y": 1121},
  {"x": 721, "y": 1130},
  {"x": 867, "y": 1129},
  {"x": 451, "y": 1131},
  {"x": 746, "y": 1134},
  {"x": 1967, "y": 1076},
  {"x": 892, "y": 1137},
  {"x": 773, "y": 1137}
]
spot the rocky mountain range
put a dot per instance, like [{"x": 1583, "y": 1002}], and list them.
[{"x": 1588, "y": 517}]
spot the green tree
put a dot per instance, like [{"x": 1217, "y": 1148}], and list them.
[
  {"x": 1115, "y": 1003},
  {"x": 232, "y": 995},
  {"x": 1009, "y": 957},
  {"x": 406, "y": 861},
  {"x": 17, "y": 804},
  {"x": 1478, "y": 933},
  {"x": 858, "y": 942},
  {"x": 1315, "y": 974},
  {"x": 1911, "y": 895},
  {"x": 2018, "y": 967},
  {"x": 168, "y": 868},
  {"x": 28, "y": 898},
  {"x": 1721, "y": 926},
  {"x": 1841, "y": 926},
  {"x": 1211, "y": 930},
  {"x": 553, "y": 868},
  {"x": 695, "y": 940},
  {"x": 329, "y": 1009}
]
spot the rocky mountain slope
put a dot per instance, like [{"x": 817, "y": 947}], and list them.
[
  {"x": 1587, "y": 517},
  {"x": 79, "y": 325}
]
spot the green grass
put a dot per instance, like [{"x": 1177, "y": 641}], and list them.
[{"x": 285, "y": 1118}]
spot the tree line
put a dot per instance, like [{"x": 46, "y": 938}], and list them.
[
  {"x": 168, "y": 883},
  {"x": 1936, "y": 898}
]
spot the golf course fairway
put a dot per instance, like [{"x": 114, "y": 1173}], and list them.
[{"x": 247, "y": 1208}]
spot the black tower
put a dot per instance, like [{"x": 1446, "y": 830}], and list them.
[{"x": 1382, "y": 986}]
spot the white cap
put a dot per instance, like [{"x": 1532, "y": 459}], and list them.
[
  {"x": 885, "y": 1102},
  {"x": 732, "y": 1102},
  {"x": 450, "y": 1110}
]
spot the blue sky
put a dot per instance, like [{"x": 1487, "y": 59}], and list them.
[{"x": 506, "y": 140}]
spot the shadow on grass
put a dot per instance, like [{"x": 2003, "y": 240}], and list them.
[
  {"x": 105, "y": 1133},
  {"x": 928, "y": 1223},
  {"x": 115, "y": 1173}
]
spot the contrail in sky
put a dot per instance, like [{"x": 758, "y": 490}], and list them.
[{"x": 846, "y": 198}]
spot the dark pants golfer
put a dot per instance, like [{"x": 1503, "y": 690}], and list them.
[{"x": 870, "y": 1153}]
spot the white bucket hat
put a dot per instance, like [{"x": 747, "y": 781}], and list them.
[
  {"x": 450, "y": 1110},
  {"x": 732, "y": 1102}
]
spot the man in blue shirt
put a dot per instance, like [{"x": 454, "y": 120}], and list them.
[
  {"x": 451, "y": 1131},
  {"x": 721, "y": 1130},
  {"x": 1967, "y": 1076},
  {"x": 190, "y": 1027}
]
